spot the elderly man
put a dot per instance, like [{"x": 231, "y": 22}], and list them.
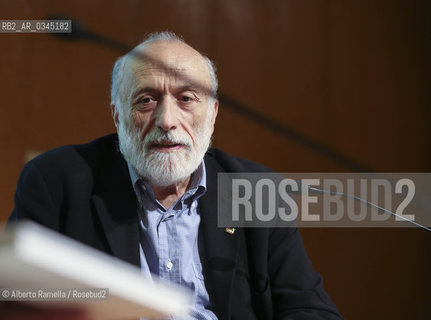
[{"x": 148, "y": 195}]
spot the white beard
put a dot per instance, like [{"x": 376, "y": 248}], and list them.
[{"x": 164, "y": 168}]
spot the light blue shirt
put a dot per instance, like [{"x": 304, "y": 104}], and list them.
[{"x": 169, "y": 239}]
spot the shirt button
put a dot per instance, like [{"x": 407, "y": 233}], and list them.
[{"x": 169, "y": 265}]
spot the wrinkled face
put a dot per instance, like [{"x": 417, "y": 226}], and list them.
[{"x": 167, "y": 115}]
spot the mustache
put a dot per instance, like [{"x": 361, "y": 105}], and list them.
[{"x": 158, "y": 136}]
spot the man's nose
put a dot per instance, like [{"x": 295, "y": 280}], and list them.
[{"x": 167, "y": 114}]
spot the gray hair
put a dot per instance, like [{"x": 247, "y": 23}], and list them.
[{"x": 118, "y": 70}]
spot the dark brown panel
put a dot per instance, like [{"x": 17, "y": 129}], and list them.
[{"x": 353, "y": 76}]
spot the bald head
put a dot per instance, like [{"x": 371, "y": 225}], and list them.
[{"x": 167, "y": 53}]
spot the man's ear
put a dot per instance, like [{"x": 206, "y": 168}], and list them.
[
  {"x": 214, "y": 115},
  {"x": 114, "y": 113}
]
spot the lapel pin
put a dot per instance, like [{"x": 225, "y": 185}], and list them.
[{"x": 230, "y": 230}]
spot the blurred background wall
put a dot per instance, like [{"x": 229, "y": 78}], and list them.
[{"x": 351, "y": 75}]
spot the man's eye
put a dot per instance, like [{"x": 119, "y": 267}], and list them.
[
  {"x": 185, "y": 99},
  {"x": 146, "y": 100}
]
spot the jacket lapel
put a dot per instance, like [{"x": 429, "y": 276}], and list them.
[
  {"x": 116, "y": 206},
  {"x": 217, "y": 248}
]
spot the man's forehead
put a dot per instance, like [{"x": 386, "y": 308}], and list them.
[
  {"x": 151, "y": 73},
  {"x": 167, "y": 54},
  {"x": 143, "y": 68},
  {"x": 171, "y": 62}
]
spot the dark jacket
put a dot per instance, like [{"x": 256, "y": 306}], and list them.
[{"x": 85, "y": 192}]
